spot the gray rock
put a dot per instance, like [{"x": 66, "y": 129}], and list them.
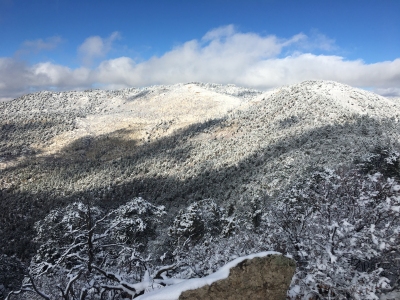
[{"x": 259, "y": 278}]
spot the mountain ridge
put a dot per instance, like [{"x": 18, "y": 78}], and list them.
[{"x": 232, "y": 145}]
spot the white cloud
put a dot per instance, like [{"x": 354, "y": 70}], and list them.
[
  {"x": 220, "y": 32},
  {"x": 32, "y": 47},
  {"x": 293, "y": 69},
  {"x": 38, "y": 45},
  {"x": 96, "y": 47},
  {"x": 318, "y": 41},
  {"x": 61, "y": 76},
  {"x": 223, "y": 55},
  {"x": 15, "y": 77},
  {"x": 388, "y": 92},
  {"x": 18, "y": 78},
  {"x": 248, "y": 59}
]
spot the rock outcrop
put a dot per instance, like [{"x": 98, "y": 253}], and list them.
[{"x": 259, "y": 278}]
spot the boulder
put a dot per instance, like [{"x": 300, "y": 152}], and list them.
[{"x": 263, "y": 278}]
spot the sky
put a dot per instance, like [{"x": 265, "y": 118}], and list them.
[{"x": 263, "y": 44}]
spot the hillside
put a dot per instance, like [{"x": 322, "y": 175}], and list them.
[
  {"x": 241, "y": 151},
  {"x": 174, "y": 145}
]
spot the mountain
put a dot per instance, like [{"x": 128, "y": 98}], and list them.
[{"x": 174, "y": 145}]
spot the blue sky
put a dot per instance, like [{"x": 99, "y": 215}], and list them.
[{"x": 71, "y": 44}]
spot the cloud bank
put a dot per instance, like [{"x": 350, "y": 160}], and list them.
[
  {"x": 96, "y": 47},
  {"x": 222, "y": 55}
]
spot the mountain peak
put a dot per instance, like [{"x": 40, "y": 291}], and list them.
[{"x": 182, "y": 143}]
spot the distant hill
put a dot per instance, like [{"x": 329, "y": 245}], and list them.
[{"x": 176, "y": 144}]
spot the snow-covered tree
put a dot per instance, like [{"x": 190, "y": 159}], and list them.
[
  {"x": 200, "y": 219},
  {"x": 86, "y": 253},
  {"x": 383, "y": 160},
  {"x": 343, "y": 229},
  {"x": 341, "y": 226}
]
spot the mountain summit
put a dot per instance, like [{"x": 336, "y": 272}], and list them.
[{"x": 177, "y": 144}]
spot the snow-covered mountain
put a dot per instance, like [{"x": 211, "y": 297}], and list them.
[
  {"x": 176, "y": 144},
  {"x": 230, "y": 147}
]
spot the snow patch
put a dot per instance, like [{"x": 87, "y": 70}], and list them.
[{"x": 174, "y": 291}]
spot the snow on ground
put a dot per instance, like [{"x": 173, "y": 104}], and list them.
[{"x": 173, "y": 292}]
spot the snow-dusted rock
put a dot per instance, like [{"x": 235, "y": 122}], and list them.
[{"x": 264, "y": 275}]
